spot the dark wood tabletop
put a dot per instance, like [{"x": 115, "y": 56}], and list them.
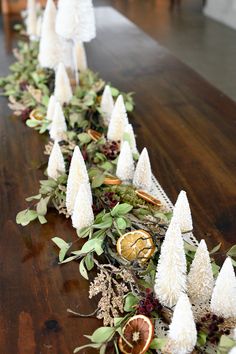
[{"x": 189, "y": 128}]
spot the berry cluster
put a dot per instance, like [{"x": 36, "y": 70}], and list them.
[
  {"x": 212, "y": 324},
  {"x": 148, "y": 304},
  {"x": 25, "y": 114},
  {"x": 111, "y": 149},
  {"x": 23, "y": 85}
]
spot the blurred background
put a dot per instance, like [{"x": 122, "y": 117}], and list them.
[{"x": 202, "y": 34}]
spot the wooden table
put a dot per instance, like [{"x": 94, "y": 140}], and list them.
[{"x": 190, "y": 130}]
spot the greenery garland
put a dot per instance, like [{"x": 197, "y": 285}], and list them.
[{"x": 118, "y": 209}]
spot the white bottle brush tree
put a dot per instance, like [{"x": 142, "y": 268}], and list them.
[
  {"x": 182, "y": 332},
  {"x": 83, "y": 213},
  {"x": 125, "y": 163},
  {"x": 170, "y": 280},
  {"x": 182, "y": 212},
  {"x": 200, "y": 277},
  {"x": 118, "y": 122},
  {"x": 56, "y": 164},
  {"x": 51, "y": 108},
  {"x": 63, "y": 91},
  {"x": 77, "y": 175},
  {"x": 223, "y": 301},
  {"x": 143, "y": 173},
  {"x": 107, "y": 105},
  {"x": 130, "y": 137},
  {"x": 49, "y": 48},
  {"x": 58, "y": 127},
  {"x": 31, "y": 19}
]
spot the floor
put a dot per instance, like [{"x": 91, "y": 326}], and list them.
[{"x": 205, "y": 45}]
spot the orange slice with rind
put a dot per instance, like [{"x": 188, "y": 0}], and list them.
[
  {"x": 148, "y": 197},
  {"x": 138, "y": 332},
  {"x": 135, "y": 246},
  {"x": 94, "y": 135},
  {"x": 112, "y": 180}
]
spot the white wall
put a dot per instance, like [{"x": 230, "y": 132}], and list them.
[{"x": 222, "y": 10}]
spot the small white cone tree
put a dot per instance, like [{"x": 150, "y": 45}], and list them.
[
  {"x": 39, "y": 26},
  {"x": 182, "y": 331},
  {"x": 143, "y": 173},
  {"x": 118, "y": 122},
  {"x": 200, "y": 277},
  {"x": 77, "y": 175},
  {"x": 63, "y": 91},
  {"x": 130, "y": 137},
  {"x": 31, "y": 20},
  {"x": 170, "y": 280},
  {"x": 51, "y": 107},
  {"x": 58, "y": 127},
  {"x": 182, "y": 212},
  {"x": 49, "y": 48},
  {"x": 80, "y": 57},
  {"x": 83, "y": 213},
  {"x": 76, "y": 20},
  {"x": 125, "y": 163},
  {"x": 107, "y": 104},
  {"x": 223, "y": 301},
  {"x": 56, "y": 164}
]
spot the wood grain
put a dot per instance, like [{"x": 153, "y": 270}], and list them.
[{"x": 189, "y": 128}]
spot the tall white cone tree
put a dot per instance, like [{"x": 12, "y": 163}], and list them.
[
  {"x": 170, "y": 280},
  {"x": 56, "y": 164},
  {"x": 223, "y": 301},
  {"x": 118, "y": 122},
  {"x": 107, "y": 105},
  {"x": 233, "y": 350},
  {"x": 182, "y": 331},
  {"x": 77, "y": 175},
  {"x": 182, "y": 212},
  {"x": 130, "y": 137},
  {"x": 67, "y": 54},
  {"x": 76, "y": 20},
  {"x": 80, "y": 57},
  {"x": 125, "y": 163},
  {"x": 83, "y": 213},
  {"x": 51, "y": 107},
  {"x": 58, "y": 127},
  {"x": 31, "y": 20},
  {"x": 143, "y": 173},
  {"x": 63, "y": 91},
  {"x": 200, "y": 277},
  {"x": 49, "y": 48}
]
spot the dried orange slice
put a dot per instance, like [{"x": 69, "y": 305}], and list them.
[
  {"x": 35, "y": 114},
  {"x": 148, "y": 198},
  {"x": 94, "y": 135},
  {"x": 135, "y": 245},
  {"x": 112, "y": 180},
  {"x": 139, "y": 332}
]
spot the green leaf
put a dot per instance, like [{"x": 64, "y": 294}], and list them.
[
  {"x": 84, "y": 138},
  {"x": 232, "y": 251},
  {"x": 42, "y": 219},
  {"x": 98, "y": 181},
  {"x": 32, "y": 123},
  {"x": 104, "y": 224},
  {"x": 34, "y": 197},
  {"x": 215, "y": 269},
  {"x": 42, "y": 206},
  {"x": 226, "y": 343},
  {"x": 83, "y": 270},
  {"x": 202, "y": 338},
  {"x": 24, "y": 217},
  {"x": 89, "y": 261},
  {"x": 121, "y": 209},
  {"x": 84, "y": 232},
  {"x": 92, "y": 345},
  {"x": 158, "y": 343},
  {"x": 215, "y": 249},
  {"x": 189, "y": 247},
  {"x": 107, "y": 166},
  {"x": 114, "y": 92},
  {"x": 121, "y": 223},
  {"x": 102, "y": 334},
  {"x": 60, "y": 242},
  {"x": 130, "y": 302},
  {"x": 118, "y": 321},
  {"x": 62, "y": 253}
]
